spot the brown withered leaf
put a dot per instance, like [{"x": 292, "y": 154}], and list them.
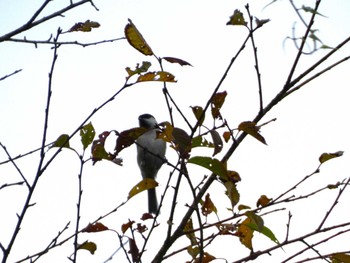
[
  {"x": 96, "y": 227},
  {"x": 252, "y": 129},
  {"x": 127, "y": 138},
  {"x": 263, "y": 201},
  {"x": 208, "y": 206},
  {"x": 216, "y": 103},
  {"x": 198, "y": 111},
  {"x": 87, "y": 26},
  {"x": 98, "y": 151},
  {"x": 157, "y": 76},
  {"x": 136, "y": 40},
  {"x": 177, "y": 60},
  {"x": 127, "y": 225}
]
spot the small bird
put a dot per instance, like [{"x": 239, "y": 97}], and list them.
[{"x": 150, "y": 155}]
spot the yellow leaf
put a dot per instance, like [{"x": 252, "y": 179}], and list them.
[
  {"x": 253, "y": 130},
  {"x": 145, "y": 184},
  {"x": 245, "y": 234},
  {"x": 327, "y": 156},
  {"x": 188, "y": 229},
  {"x": 136, "y": 40}
]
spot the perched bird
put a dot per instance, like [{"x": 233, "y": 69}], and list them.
[{"x": 150, "y": 155}]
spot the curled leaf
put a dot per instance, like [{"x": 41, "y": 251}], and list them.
[
  {"x": 208, "y": 206},
  {"x": 136, "y": 40},
  {"x": 98, "y": 150},
  {"x": 216, "y": 103},
  {"x": 263, "y": 201},
  {"x": 177, "y": 60},
  {"x": 218, "y": 144},
  {"x": 139, "y": 69},
  {"x": 87, "y": 26}
]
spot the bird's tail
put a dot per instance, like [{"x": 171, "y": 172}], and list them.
[{"x": 152, "y": 201}]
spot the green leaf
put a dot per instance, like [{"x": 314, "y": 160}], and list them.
[
  {"x": 212, "y": 164},
  {"x": 62, "y": 141},
  {"x": 256, "y": 221},
  {"x": 87, "y": 134}
]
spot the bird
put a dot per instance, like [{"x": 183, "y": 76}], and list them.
[{"x": 150, "y": 155}]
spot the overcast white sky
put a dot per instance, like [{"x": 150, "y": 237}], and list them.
[{"x": 310, "y": 122}]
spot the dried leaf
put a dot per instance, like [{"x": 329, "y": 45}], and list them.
[
  {"x": 139, "y": 69},
  {"x": 216, "y": 103},
  {"x": 252, "y": 129},
  {"x": 226, "y": 135},
  {"x": 178, "y": 61},
  {"x": 188, "y": 229},
  {"x": 237, "y": 19},
  {"x": 198, "y": 111},
  {"x": 127, "y": 226},
  {"x": 87, "y": 134},
  {"x": 182, "y": 142},
  {"x": 208, "y": 206},
  {"x": 127, "y": 138},
  {"x": 157, "y": 76},
  {"x": 145, "y": 184},
  {"x": 340, "y": 258},
  {"x": 263, "y": 201},
  {"x": 98, "y": 151},
  {"x": 96, "y": 227},
  {"x": 206, "y": 258},
  {"x": 243, "y": 207},
  {"x": 245, "y": 233},
  {"x": 87, "y": 26},
  {"x": 136, "y": 40},
  {"x": 327, "y": 156}
]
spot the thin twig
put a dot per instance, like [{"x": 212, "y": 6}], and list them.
[{"x": 11, "y": 74}]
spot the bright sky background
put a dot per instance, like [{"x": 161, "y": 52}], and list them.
[{"x": 312, "y": 121}]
